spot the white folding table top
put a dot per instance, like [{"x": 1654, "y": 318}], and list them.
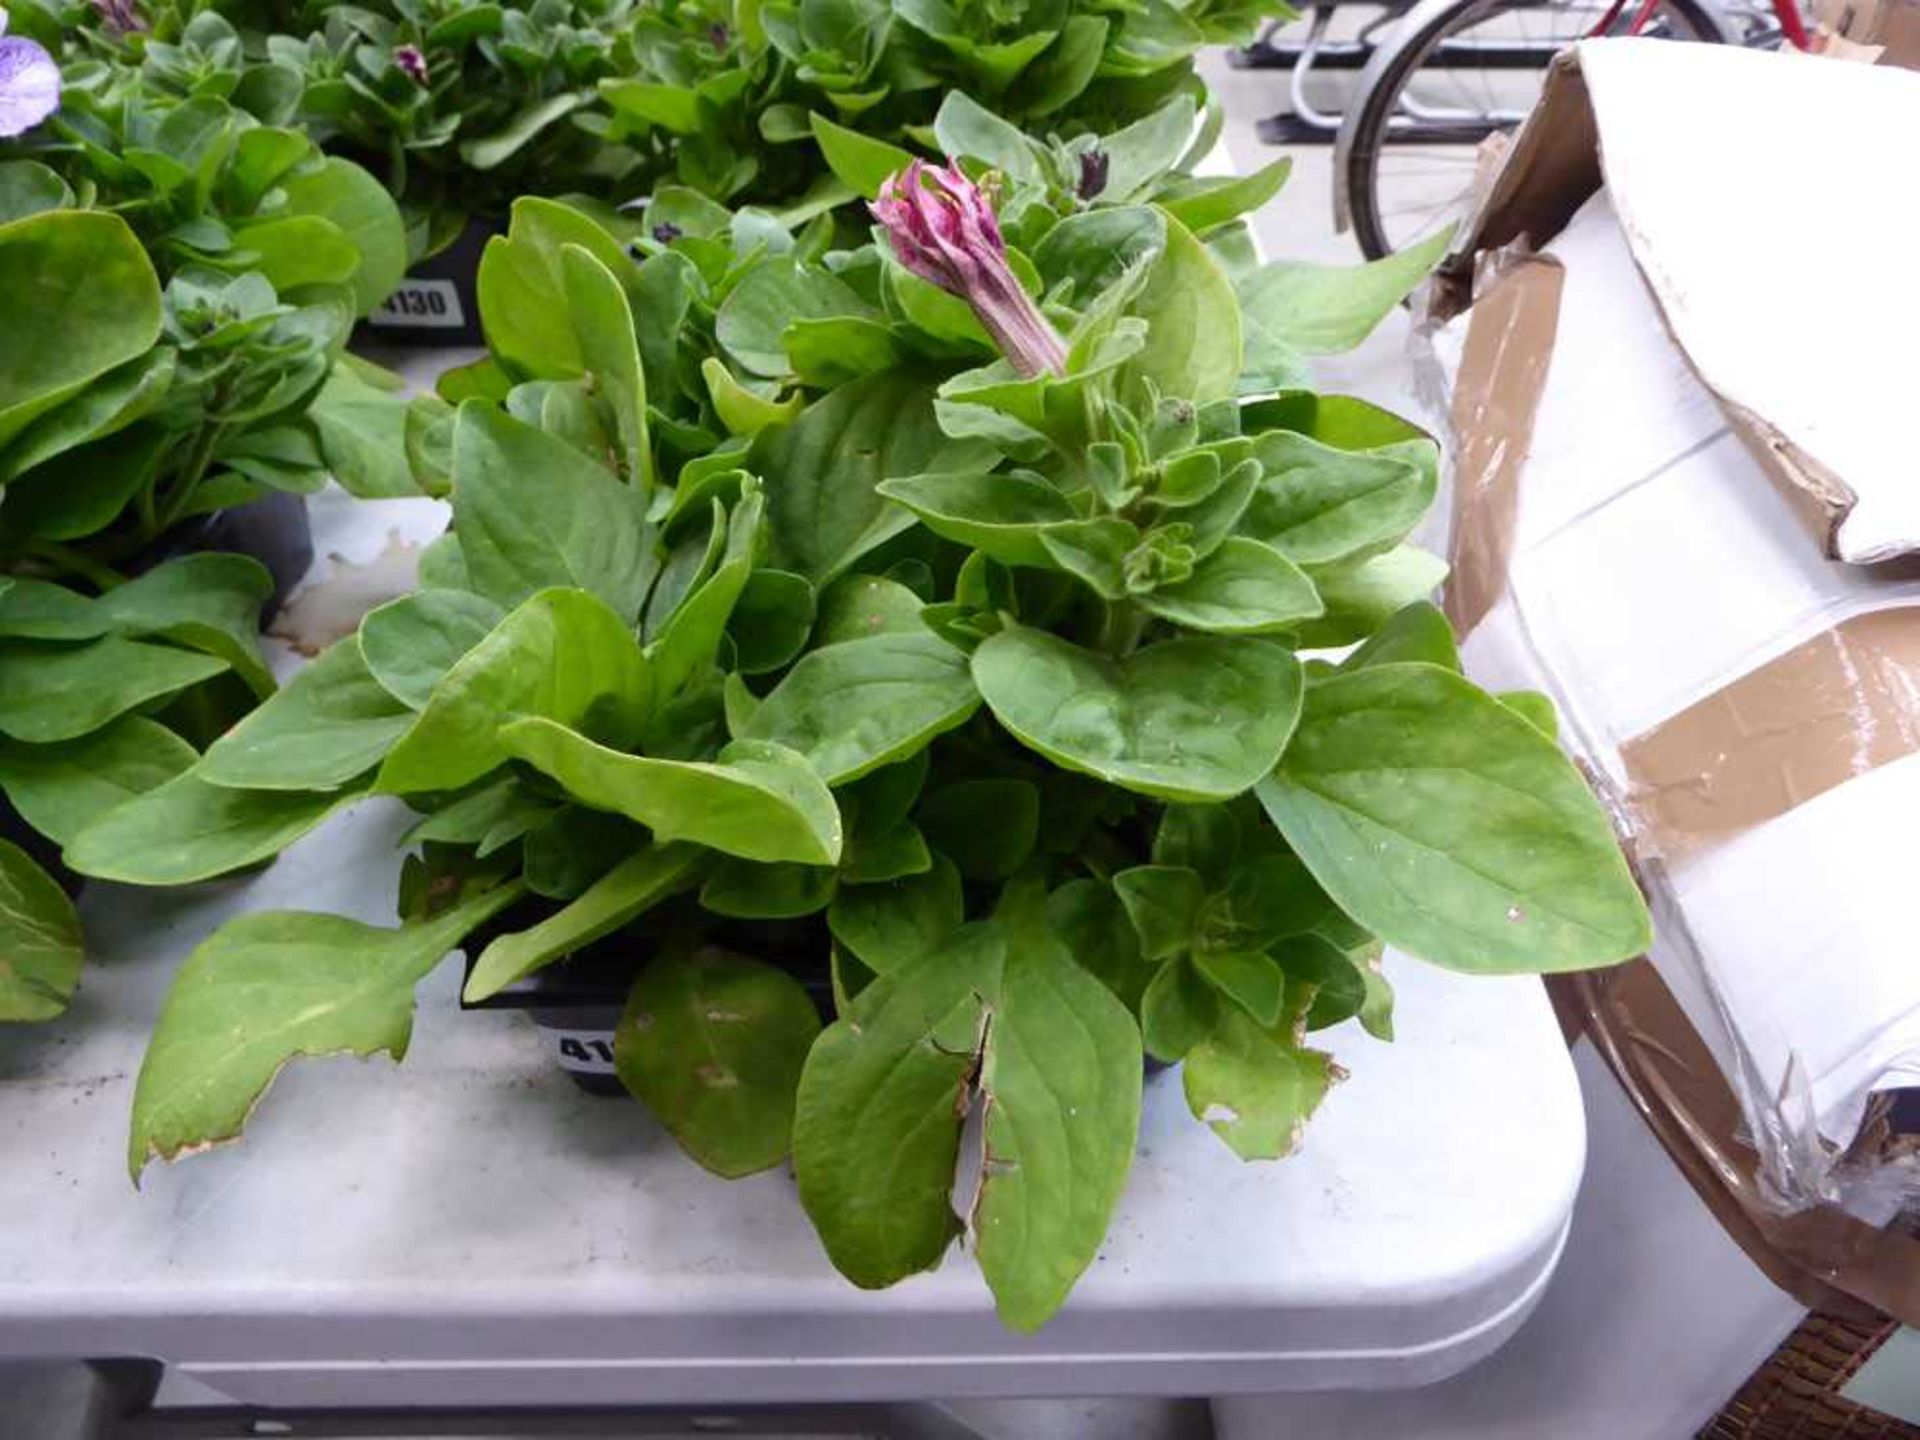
[{"x": 471, "y": 1229}]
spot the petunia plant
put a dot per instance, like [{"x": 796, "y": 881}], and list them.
[
  {"x": 954, "y": 623},
  {"x": 179, "y": 283}
]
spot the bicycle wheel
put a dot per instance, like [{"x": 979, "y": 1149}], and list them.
[{"x": 1465, "y": 72}]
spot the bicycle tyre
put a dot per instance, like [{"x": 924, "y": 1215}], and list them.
[{"x": 1382, "y": 97}]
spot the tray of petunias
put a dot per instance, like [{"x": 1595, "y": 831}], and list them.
[
  {"x": 983, "y": 609},
  {"x": 178, "y": 283}
]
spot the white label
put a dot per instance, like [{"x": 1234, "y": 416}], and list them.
[
  {"x": 584, "y": 1052},
  {"x": 421, "y": 305}
]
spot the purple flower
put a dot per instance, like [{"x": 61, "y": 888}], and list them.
[
  {"x": 943, "y": 229},
  {"x": 412, "y": 63},
  {"x": 1093, "y": 174},
  {"x": 29, "y": 83},
  {"x": 119, "y": 16}
]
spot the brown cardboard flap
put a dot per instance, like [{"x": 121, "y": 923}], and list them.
[
  {"x": 1839, "y": 705},
  {"x": 1822, "y": 1256},
  {"x": 1496, "y": 395}
]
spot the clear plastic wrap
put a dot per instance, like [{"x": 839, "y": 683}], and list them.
[{"x": 1749, "y": 711}]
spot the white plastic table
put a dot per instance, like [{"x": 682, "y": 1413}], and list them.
[{"x": 470, "y": 1229}]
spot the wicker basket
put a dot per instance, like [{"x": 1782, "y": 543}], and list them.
[{"x": 1796, "y": 1394}]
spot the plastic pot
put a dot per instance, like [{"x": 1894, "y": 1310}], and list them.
[{"x": 438, "y": 303}]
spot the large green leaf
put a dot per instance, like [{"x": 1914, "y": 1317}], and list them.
[
  {"x": 1317, "y": 505},
  {"x": 876, "y": 1130},
  {"x": 532, "y": 512},
  {"x": 1061, "y": 1078},
  {"x": 40, "y": 941},
  {"x": 329, "y": 725},
  {"x": 822, "y": 472},
  {"x": 522, "y": 288},
  {"x": 1002, "y": 516},
  {"x": 1362, "y": 596},
  {"x": 61, "y": 789},
  {"x": 50, "y": 693},
  {"x": 209, "y": 603},
  {"x": 756, "y": 314},
  {"x": 713, "y": 1043},
  {"x": 72, "y": 501},
  {"x": 188, "y": 830},
  {"x": 635, "y": 885},
  {"x": 363, "y": 434},
  {"x": 82, "y": 297},
  {"x": 1447, "y": 824},
  {"x": 1193, "y": 345},
  {"x": 562, "y": 655},
  {"x": 855, "y": 706},
  {"x": 1197, "y": 718},
  {"x": 859, "y": 161},
  {"x": 759, "y": 801},
  {"x": 340, "y": 191},
  {"x": 1325, "y": 309},
  {"x": 603, "y": 324},
  {"x": 966, "y": 127},
  {"x": 409, "y": 644},
  {"x": 271, "y": 986}
]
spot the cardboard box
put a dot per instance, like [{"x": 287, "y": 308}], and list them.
[{"x": 1669, "y": 445}]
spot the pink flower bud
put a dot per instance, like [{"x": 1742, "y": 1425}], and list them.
[
  {"x": 943, "y": 229},
  {"x": 412, "y": 63}
]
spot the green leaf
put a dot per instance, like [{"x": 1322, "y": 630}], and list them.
[
  {"x": 486, "y": 152},
  {"x": 743, "y": 411},
  {"x": 855, "y": 607},
  {"x": 672, "y": 107},
  {"x": 747, "y": 890},
  {"x": 297, "y": 250},
  {"x": 753, "y": 320},
  {"x": 40, "y": 941},
  {"x": 965, "y": 127},
  {"x": 266, "y": 988},
  {"x": 1338, "y": 991},
  {"x": 487, "y": 818},
  {"x": 1325, "y": 309},
  {"x": 1536, "y": 708},
  {"x": 28, "y": 188},
  {"x": 1002, "y": 516},
  {"x": 603, "y": 325},
  {"x": 876, "y": 1130},
  {"x": 839, "y": 349},
  {"x": 1448, "y": 825},
  {"x": 1140, "y": 154},
  {"x": 1418, "y": 634},
  {"x": 522, "y": 288},
  {"x": 562, "y": 656},
  {"x": 1064, "y": 69},
  {"x": 855, "y": 706},
  {"x": 82, "y": 298},
  {"x": 1251, "y": 980},
  {"x": 1256, "y": 1087},
  {"x": 1061, "y": 1079},
  {"x": 209, "y": 603},
  {"x": 1095, "y": 248},
  {"x": 759, "y": 801},
  {"x": 770, "y": 621},
  {"x": 50, "y": 693},
  {"x": 1163, "y": 902},
  {"x": 1178, "y": 1011},
  {"x": 189, "y": 829},
  {"x": 1360, "y": 598},
  {"x": 860, "y": 162},
  {"x": 61, "y": 789},
  {"x": 533, "y": 512},
  {"x": 890, "y": 925},
  {"x": 1243, "y": 588},
  {"x": 686, "y": 646},
  {"x": 343, "y": 193},
  {"x": 329, "y": 725},
  {"x": 635, "y": 885},
  {"x": 1093, "y": 924},
  {"x": 73, "y": 500},
  {"x": 1203, "y": 838},
  {"x": 823, "y": 472},
  {"x": 363, "y": 435},
  {"x": 1205, "y": 203},
  {"x": 1196, "y": 718},
  {"x": 1193, "y": 343},
  {"x": 986, "y": 827},
  {"x": 411, "y": 643},
  {"x": 713, "y": 1043},
  {"x": 1317, "y": 505}
]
